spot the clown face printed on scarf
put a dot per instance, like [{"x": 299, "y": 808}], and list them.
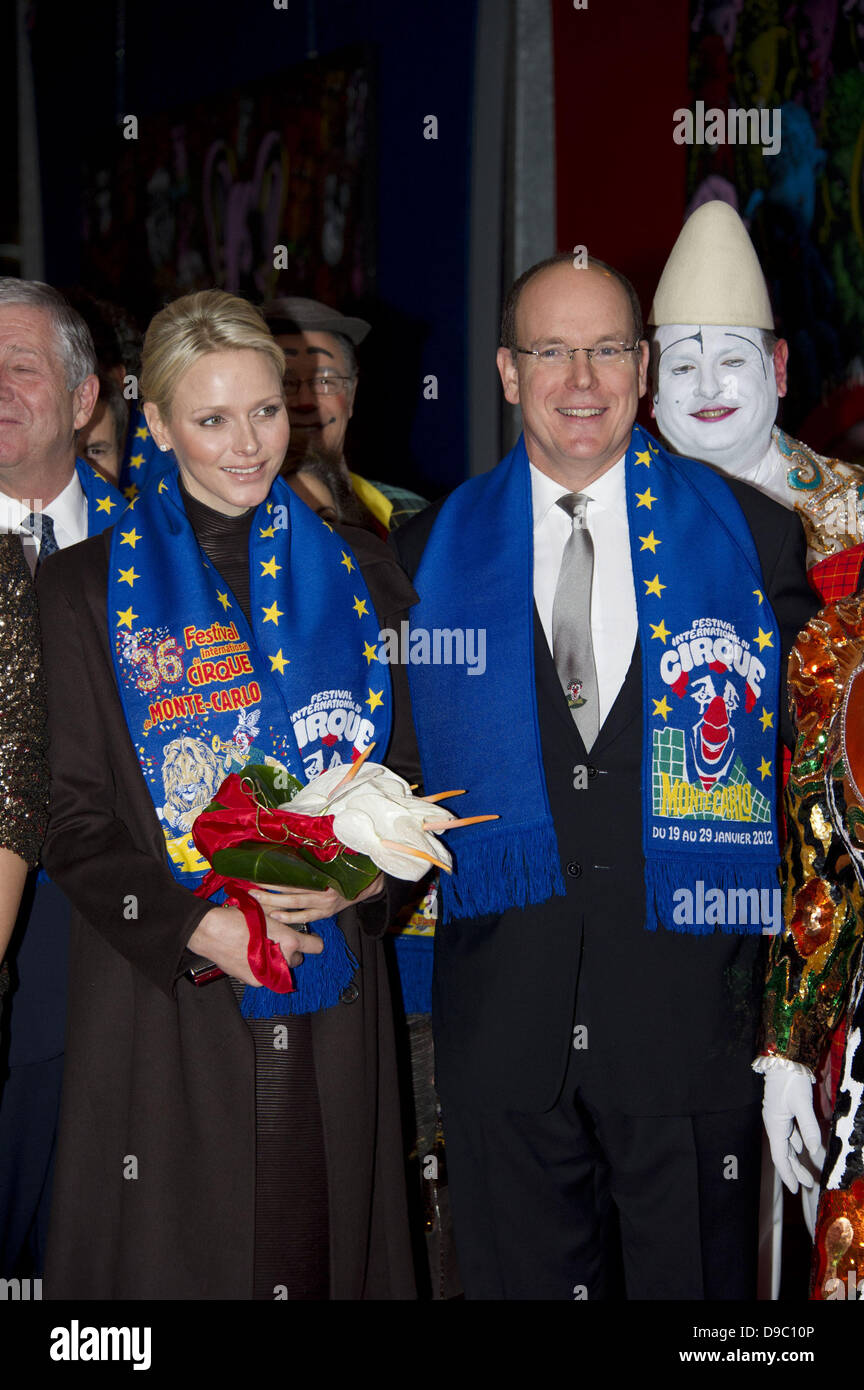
[{"x": 716, "y": 393}]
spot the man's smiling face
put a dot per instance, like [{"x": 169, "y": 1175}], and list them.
[
  {"x": 577, "y": 419},
  {"x": 38, "y": 412},
  {"x": 717, "y": 392}
]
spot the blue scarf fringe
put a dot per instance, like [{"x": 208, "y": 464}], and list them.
[
  {"x": 508, "y": 866},
  {"x": 663, "y": 878},
  {"x": 320, "y": 988}
]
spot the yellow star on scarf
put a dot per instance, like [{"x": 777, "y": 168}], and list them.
[
  {"x": 136, "y": 460},
  {"x": 163, "y": 486},
  {"x": 223, "y": 599},
  {"x": 644, "y": 457},
  {"x": 130, "y": 538},
  {"x": 765, "y": 640},
  {"x": 360, "y": 605},
  {"x": 279, "y": 662},
  {"x": 126, "y": 618},
  {"x": 759, "y": 594},
  {"x": 644, "y": 499},
  {"x": 272, "y": 614},
  {"x": 347, "y": 561},
  {"x": 370, "y": 653},
  {"x": 660, "y": 630},
  {"x": 650, "y": 542},
  {"x": 653, "y": 586},
  {"x": 267, "y": 533},
  {"x": 269, "y": 508},
  {"x": 132, "y": 503},
  {"x": 141, "y": 432},
  {"x": 376, "y": 698},
  {"x": 105, "y": 504},
  {"x": 766, "y": 720},
  {"x": 131, "y": 492},
  {"x": 662, "y": 707},
  {"x": 128, "y": 576},
  {"x": 765, "y": 768},
  {"x": 269, "y": 567}
]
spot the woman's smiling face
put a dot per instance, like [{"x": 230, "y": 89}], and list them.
[{"x": 228, "y": 428}]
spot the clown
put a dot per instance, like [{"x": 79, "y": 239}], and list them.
[{"x": 718, "y": 373}]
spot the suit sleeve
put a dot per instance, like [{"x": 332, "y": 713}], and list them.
[{"x": 127, "y": 894}]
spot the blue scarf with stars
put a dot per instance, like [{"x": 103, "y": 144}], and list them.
[
  {"x": 710, "y": 674},
  {"x": 104, "y": 502},
  {"x": 205, "y": 693}
]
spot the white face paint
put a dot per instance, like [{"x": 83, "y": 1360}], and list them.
[{"x": 716, "y": 394}]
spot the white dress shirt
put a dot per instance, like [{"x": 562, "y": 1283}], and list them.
[
  {"x": 68, "y": 512},
  {"x": 614, "y": 623}
]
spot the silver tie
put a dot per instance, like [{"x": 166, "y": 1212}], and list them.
[{"x": 572, "y": 647}]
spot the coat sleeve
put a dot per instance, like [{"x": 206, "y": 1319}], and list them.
[{"x": 123, "y": 891}]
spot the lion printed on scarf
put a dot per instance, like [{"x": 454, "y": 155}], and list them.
[{"x": 191, "y": 776}]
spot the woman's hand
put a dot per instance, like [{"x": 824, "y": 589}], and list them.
[
  {"x": 296, "y": 906},
  {"x": 223, "y": 937}
]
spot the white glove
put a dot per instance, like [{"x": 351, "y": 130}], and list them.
[{"x": 790, "y": 1123}]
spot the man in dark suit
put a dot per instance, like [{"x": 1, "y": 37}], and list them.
[{"x": 595, "y": 1076}]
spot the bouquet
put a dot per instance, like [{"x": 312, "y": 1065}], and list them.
[{"x": 339, "y": 831}]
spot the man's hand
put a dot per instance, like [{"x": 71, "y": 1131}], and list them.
[{"x": 790, "y": 1123}]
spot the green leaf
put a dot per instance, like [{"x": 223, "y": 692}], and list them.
[
  {"x": 271, "y": 785},
  {"x": 295, "y": 867}
]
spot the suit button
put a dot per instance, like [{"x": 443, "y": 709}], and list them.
[
  {"x": 574, "y": 869},
  {"x": 592, "y": 771},
  {"x": 349, "y": 994}
]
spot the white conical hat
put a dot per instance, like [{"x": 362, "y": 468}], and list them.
[{"x": 713, "y": 274}]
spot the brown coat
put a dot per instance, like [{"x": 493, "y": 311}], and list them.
[{"x": 154, "y": 1193}]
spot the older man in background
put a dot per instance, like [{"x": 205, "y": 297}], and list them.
[{"x": 320, "y": 387}]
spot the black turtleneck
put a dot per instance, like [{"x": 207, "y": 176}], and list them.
[
  {"x": 291, "y": 1242},
  {"x": 225, "y": 541}
]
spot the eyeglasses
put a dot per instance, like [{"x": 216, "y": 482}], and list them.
[
  {"x": 601, "y": 355},
  {"x": 328, "y": 384}
]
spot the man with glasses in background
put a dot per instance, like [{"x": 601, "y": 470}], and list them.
[
  {"x": 598, "y": 962},
  {"x": 320, "y": 386}
]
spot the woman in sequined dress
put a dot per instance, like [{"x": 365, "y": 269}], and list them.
[{"x": 23, "y": 766}]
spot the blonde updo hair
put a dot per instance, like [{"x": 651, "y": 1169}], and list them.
[{"x": 189, "y": 328}]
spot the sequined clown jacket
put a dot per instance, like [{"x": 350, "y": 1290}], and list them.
[{"x": 815, "y": 973}]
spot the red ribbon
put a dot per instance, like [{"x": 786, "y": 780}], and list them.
[{"x": 240, "y": 818}]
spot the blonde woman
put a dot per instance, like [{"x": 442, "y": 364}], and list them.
[{"x": 218, "y": 1140}]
